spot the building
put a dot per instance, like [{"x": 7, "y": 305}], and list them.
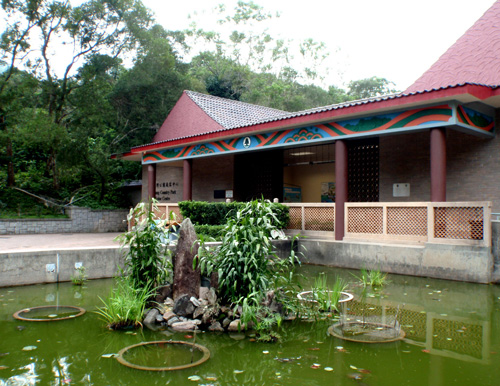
[{"x": 435, "y": 142}]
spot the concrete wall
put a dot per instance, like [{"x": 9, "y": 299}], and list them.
[
  {"x": 452, "y": 262},
  {"x": 81, "y": 220},
  {"x": 22, "y": 268},
  {"x": 473, "y": 167}
]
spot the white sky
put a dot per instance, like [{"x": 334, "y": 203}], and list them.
[{"x": 394, "y": 39}]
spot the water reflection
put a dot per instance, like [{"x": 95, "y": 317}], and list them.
[{"x": 452, "y": 336}]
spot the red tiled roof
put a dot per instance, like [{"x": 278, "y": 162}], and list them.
[
  {"x": 478, "y": 91},
  {"x": 474, "y": 58}
]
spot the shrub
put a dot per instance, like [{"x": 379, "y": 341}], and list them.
[
  {"x": 217, "y": 213},
  {"x": 210, "y": 231}
]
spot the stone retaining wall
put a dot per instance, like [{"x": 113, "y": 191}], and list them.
[{"x": 81, "y": 220}]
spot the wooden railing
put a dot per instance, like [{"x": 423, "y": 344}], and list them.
[{"x": 467, "y": 223}]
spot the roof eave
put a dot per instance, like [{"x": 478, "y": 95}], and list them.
[{"x": 463, "y": 93}]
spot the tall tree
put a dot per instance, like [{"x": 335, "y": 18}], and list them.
[{"x": 51, "y": 39}]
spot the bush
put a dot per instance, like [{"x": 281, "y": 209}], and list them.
[
  {"x": 214, "y": 231},
  {"x": 218, "y": 213}
]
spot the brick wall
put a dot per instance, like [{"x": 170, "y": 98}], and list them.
[
  {"x": 81, "y": 220},
  {"x": 473, "y": 167},
  {"x": 212, "y": 173}
]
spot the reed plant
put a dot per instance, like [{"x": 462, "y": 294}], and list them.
[
  {"x": 373, "y": 278},
  {"x": 124, "y": 307}
]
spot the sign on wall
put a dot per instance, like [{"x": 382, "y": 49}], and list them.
[{"x": 292, "y": 194}]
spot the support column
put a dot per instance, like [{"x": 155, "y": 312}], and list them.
[
  {"x": 187, "y": 191},
  {"x": 151, "y": 181},
  {"x": 340, "y": 187},
  {"x": 438, "y": 164}
]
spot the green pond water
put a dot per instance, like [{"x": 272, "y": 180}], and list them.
[{"x": 452, "y": 337}]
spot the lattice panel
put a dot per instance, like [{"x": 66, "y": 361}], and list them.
[
  {"x": 363, "y": 171},
  {"x": 459, "y": 337},
  {"x": 458, "y": 223},
  {"x": 365, "y": 220},
  {"x": 319, "y": 218},
  {"x": 295, "y": 218},
  {"x": 407, "y": 221}
]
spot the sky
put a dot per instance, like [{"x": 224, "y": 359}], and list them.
[{"x": 393, "y": 39}]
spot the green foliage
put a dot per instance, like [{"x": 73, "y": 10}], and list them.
[
  {"x": 327, "y": 299},
  {"x": 15, "y": 204},
  {"x": 246, "y": 261},
  {"x": 217, "y": 213},
  {"x": 373, "y": 278},
  {"x": 370, "y": 87},
  {"x": 125, "y": 305},
  {"x": 210, "y": 231},
  {"x": 80, "y": 276},
  {"x": 147, "y": 263}
]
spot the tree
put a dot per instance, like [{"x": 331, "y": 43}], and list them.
[
  {"x": 370, "y": 87},
  {"x": 36, "y": 33}
]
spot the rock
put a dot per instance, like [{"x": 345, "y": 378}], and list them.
[
  {"x": 236, "y": 325},
  {"x": 173, "y": 320},
  {"x": 186, "y": 280},
  {"x": 226, "y": 322},
  {"x": 215, "y": 327},
  {"x": 204, "y": 293},
  {"x": 212, "y": 297},
  {"x": 162, "y": 293},
  {"x": 183, "y": 306},
  {"x": 195, "y": 301},
  {"x": 208, "y": 314},
  {"x": 184, "y": 326},
  {"x": 159, "y": 318},
  {"x": 150, "y": 317},
  {"x": 199, "y": 311},
  {"x": 168, "y": 315},
  {"x": 169, "y": 302}
]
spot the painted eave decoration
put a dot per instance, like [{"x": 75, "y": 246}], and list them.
[{"x": 446, "y": 115}]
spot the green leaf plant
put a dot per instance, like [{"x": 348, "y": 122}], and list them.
[{"x": 147, "y": 258}]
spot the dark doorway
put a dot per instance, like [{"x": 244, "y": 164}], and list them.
[{"x": 258, "y": 174}]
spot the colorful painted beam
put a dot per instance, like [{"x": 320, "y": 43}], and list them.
[{"x": 416, "y": 119}]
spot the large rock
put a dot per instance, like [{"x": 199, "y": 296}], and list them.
[
  {"x": 183, "y": 306},
  {"x": 186, "y": 279}
]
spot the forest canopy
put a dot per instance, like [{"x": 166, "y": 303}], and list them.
[{"x": 80, "y": 83}]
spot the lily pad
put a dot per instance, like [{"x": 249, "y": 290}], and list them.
[
  {"x": 328, "y": 368},
  {"x": 109, "y": 355}
]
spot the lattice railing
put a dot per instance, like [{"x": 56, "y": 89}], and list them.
[
  {"x": 312, "y": 217},
  {"x": 450, "y": 222}
]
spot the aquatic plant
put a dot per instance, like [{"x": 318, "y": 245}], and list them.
[
  {"x": 326, "y": 298},
  {"x": 125, "y": 305},
  {"x": 80, "y": 276},
  {"x": 147, "y": 260},
  {"x": 373, "y": 278}
]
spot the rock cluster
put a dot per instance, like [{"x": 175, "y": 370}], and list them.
[{"x": 188, "y": 313}]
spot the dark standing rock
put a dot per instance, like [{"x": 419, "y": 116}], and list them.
[
  {"x": 183, "y": 306},
  {"x": 186, "y": 280}
]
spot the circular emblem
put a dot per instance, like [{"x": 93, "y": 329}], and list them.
[{"x": 247, "y": 142}]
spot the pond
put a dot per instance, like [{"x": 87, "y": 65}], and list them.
[{"x": 452, "y": 337}]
